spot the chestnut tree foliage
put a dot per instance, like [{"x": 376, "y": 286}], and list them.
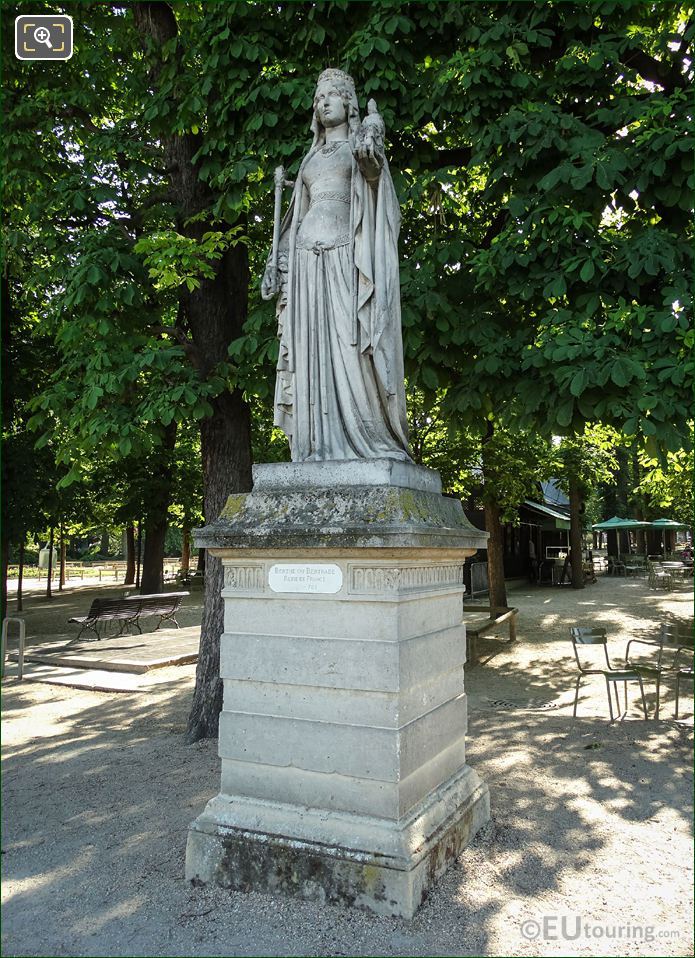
[{"x": 543, "y": 159}]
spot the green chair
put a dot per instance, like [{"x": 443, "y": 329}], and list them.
[
  {"x": 683, "y": 673},
  {"x": 681, "y": 635},
  {"x": 582, "y": 636},
  {"x": 650, "y": 663}
]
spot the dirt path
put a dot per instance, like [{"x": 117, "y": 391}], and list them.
[{"x": 590, "y": 820}]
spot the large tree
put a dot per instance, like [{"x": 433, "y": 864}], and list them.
[
  {"x": 579, "y": 125},
  {"x": 541, "y": 157}
]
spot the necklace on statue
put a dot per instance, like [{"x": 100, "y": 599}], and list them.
[{"x": 327, "y": 150}]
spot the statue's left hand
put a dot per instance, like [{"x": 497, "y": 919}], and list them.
[{"x": 369, "y": 146}]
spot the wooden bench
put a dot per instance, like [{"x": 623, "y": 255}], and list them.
[
  {"x": 163, "y": 604},
  {"x": 496, "y": 616},
  {"x": 106, "y": 610},
  {"x": 129, "y": 610}
]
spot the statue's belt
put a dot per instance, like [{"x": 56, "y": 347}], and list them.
[{"x": 319, "y": 247}]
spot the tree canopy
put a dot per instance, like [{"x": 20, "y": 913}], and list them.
[{"x": 542, "y": 154}]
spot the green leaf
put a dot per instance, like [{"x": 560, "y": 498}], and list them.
[
  {"x": 621, "y": 372},
  {"x": 429, "y": 377},
  {"x": 564, "y": 413},
  {"x": 578, "y": 382},
  {"x": 587, "y": 271}
]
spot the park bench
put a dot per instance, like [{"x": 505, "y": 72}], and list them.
[
  {"x": 130, "y": 610},
  {"x": 495, "y": 616},
  {"x": 193, "y": 580},
  {"x": 163, "y": 604}
]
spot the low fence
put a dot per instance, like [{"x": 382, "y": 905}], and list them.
[{"x": 85, "y": 570}]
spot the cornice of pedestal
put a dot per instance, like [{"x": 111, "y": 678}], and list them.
[{"x": 284, "y": 513}]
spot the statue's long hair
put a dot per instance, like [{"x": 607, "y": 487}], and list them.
[{"x": 345, "y": 85}]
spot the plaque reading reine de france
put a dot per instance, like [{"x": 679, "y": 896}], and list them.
[{"x": 305, "y": 577}]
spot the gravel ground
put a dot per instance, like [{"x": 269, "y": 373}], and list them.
[{"x": 591, "y": 820}]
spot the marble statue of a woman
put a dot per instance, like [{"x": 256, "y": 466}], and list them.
[{"x": 339, "y": 391}]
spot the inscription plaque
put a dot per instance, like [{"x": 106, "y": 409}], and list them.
[{"x": 305, "y": 577}]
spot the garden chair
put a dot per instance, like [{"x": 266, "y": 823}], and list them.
[
  {"x": 682, "y": 672},
  {"x": 658, "y": 578},
  {"x": 615, "y": 566},
  {"x": 681, "y": 635},
  {"x": 595, "y": 637},
  {"x": 651, "y": 662},
  {"x": 647, "y": 664}
]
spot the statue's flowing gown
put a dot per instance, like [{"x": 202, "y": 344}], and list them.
[{"x": 339, "y": 391}]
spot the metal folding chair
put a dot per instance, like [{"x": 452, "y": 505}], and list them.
[
  {"x": 647, "y": 665},
  {"x": 679, "y": 633},
  {"x": 682, "y": 673},
  {"x": 657, "y": 577},
  {"x": 595, "y": 636}
]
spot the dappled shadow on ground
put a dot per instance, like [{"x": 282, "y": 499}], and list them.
[
  {"x": 97, "y": 813},
  {"x": 541, "y": 665},
  {"x": 588, "y": 817},
  {"x": 98, "y": 793}
]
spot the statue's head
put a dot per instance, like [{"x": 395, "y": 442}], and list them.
[{"x": 334, "y": 87}]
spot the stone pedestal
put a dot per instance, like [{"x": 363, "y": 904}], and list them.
[{"x": 342, "y": 736}]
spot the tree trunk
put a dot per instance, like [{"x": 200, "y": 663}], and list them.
[
  {"x": 20, "y": 576},
  {"x": 612, "y": 543},
  {"x": 213, "y": 315},
  {"x": 61, "y": 576},
  {"x": 104, "y": 544},
  {"x": 226, "y": 454},
  {"x": 495, "y": 556},
  {"x": 138, "y": 556},
  {"x": 495, "y": 543},
  {"x": 49, "y": 594},
  {"x": 576, "y": 536},
  {"x": 5, "y": 546},
  {"x": 653, "y": 542},
  {"x": 152, "y": 576},
  {"x": 156, "y": 521},
  {"x": 186, "y": 551},
  {"x": 9, "y": 322},
  {"x": 640, "y": 538},
  {"x": 622, "y": 483},
  {"x": 129, "y": 555},
  {"x": 200, "y": 564}
]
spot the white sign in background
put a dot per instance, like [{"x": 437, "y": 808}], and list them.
[{"x": 305, "y": 577}]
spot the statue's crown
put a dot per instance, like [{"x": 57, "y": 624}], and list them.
[{"x": 337, "y": 76}]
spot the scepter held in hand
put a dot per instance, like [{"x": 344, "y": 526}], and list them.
[{"x": 280, "y": 183}]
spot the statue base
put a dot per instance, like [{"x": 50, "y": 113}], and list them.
[
  {"x": 340, "y": 864},
  {"x": 342, "y": 733}
]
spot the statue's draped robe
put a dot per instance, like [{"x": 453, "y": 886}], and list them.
[{"x": 339, "y": 390}]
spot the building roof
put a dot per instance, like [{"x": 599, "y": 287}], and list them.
[
  {"x": 552, "y": 495},
  {"x": 562, "y": 519}
]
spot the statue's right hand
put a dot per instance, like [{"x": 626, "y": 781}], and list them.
[{"x": 269, "y": 285}]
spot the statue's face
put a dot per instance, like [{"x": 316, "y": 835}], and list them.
[{"x": 329, "y": 105}]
